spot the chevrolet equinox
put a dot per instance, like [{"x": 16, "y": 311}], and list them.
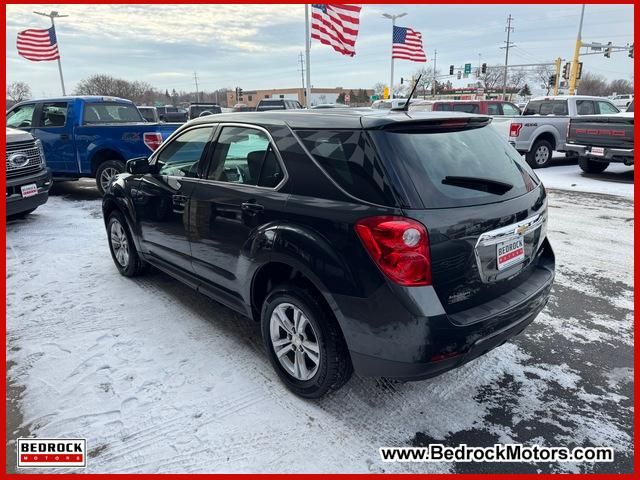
[{"x": 395, "y": 244}]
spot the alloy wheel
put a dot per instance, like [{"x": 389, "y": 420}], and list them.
[
  {"x": 294, "y": 341},
  {"x": 106, "y": 176},
  {"x": 542, "y": 155},
  {"x": 120, "y": 244}
]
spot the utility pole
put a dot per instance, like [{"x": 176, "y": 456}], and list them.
[
  {"x": 195, "y": 77},
  {"x": 508, "y": 29},
  {"x": 573, "y": 75},
  {"x": 301, "y": 59},
  {"x": 435, "y": 58},
  {"x": 393, "y": 25},
  {"x": 53, "y": 14}
]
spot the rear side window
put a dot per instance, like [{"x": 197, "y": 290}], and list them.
[
  {"x": 546, "y": 107},
  {"x": 493, "y": 109},
  {"x": 458, "y": 168},
  {"x": 585, "y": 107},
  {"x": 509, "y": 109},
  {"x": 349, "y": 159},
  {"x": 96, "y": 113}
]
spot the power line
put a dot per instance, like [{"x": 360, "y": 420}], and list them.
[
  {"x": 301, "y": 70},
  {"x": 195, "y": 78}
]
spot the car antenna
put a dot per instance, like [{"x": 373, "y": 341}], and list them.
[{"x": 405, "y": 107}]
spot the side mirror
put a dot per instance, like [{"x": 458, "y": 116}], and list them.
[{"x": 138, "y": 166}]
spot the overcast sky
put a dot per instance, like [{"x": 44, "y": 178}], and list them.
[{"x": 257, "y": 46}]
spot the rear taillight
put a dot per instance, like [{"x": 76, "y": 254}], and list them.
[
  {"x": 152, "y": 140},
  {"x": 514, "y": 129},
  {"x": 400, "y": 248}
]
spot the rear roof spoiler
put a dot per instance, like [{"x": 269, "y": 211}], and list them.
[{"x": 436, "y": 124}]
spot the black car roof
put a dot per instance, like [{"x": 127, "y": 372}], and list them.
[{"x": 347, "y": 118}]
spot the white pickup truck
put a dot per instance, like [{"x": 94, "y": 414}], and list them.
[{"x": 542, "y": 127}]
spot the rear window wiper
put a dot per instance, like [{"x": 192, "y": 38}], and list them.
[{"x": 477, "y": 183}]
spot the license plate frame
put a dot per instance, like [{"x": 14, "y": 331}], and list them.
[
  {"x": 29, "y": 190},
  {"x": 510, "y": 252}
]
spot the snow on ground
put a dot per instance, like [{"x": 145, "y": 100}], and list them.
[
  {"x": 161, "y": 379},
  {"x": 564, "y": 174}
]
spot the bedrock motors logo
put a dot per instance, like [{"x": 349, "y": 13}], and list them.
[{"x": 52, "y": 452}]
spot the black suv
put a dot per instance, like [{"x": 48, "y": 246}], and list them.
[{"x": 393, "y": 244}]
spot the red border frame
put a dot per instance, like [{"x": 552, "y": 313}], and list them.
[{"x": 636, "y": 423}]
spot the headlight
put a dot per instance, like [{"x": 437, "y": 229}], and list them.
[{"x": 43, "y": 160}]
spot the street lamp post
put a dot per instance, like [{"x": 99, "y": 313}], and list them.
[{"x": 393, "y": 24}]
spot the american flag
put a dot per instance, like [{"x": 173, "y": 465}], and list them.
[
  {"x": 336, "y": 25},
  {"x": 407, "y": 45},
  {"x": 38, "y": 44}
]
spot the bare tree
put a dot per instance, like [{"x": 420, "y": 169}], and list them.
[
  {"x": 542, "y": 75},
  {"x": 378, "y": 88},
  {"x": 139, "y": 92},
  {"x": 593, "y": 84},
  {"x": 18, "y": 91},
  {"x": 620, "y": 86},
  {"x": 492, "y": 78}
]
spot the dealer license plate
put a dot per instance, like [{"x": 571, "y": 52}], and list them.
[
  {"x": 510, "y": 252},
  {"x": 29, "y": 190},
  {"x": 598, "y": 151}
]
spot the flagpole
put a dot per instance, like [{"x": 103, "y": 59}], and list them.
[
  {"x": 393, "y": 24},
  {"x": 307, "y": 46},
  {"x": 51, "y": 16}
]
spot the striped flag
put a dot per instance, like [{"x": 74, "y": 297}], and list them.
[
  {"x": 407, "y": 45},
  {"x": 38, "y": 45},
  {"x": 336, "y": 25}
]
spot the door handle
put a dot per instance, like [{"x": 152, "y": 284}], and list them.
[{"x": 252, "y": 207}]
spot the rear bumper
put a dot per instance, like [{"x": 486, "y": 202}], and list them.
[
  {"x": 16, "y": 203},
  {"x": 621, "y": 155},
  {"x": 415, "y": 348}
]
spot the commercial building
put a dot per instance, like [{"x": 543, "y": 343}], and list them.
[{"x": 319, "y": 96}]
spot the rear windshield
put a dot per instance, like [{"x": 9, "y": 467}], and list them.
[
  {"x": 457, "y": 168},
  {"x": 546, "y": 107},
  {"x": 458, "y": 107},
  {"x": 111, "y": 113},
  {"x": 265, "y": 105}
]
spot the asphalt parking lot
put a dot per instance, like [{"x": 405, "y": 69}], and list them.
[{"x": 161, "y": 379}]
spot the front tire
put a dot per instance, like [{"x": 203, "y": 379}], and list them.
[
  {"x": 123, "y": 250},
  {"x": 304, "y": 342},
  {"x": 540, "y": 154},
  {"x": 592, "y": 166},
  {"x": 105, "y": 173}
]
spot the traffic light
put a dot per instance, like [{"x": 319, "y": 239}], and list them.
[
  {"x": 607, "y": 52},
  {"x": 401, "y": 80},
  {"x": 631, "y": 51},
  {"x": 451, "y": 68},
  {"x": 484, "y": 68},
  {"x": 459, "y": 75},
  {"x": 552, "y": 79},
  {"x": 579, "y": 74},
  {"x": 566, "y": 70},
  {"x": 239, "y": 92}
]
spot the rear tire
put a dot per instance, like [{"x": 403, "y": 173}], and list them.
[
  {"x": 105, "y": 173},
  {"x": 123, "y": 250},
  {"x": 540, "y": 154},
  {"x": 324, "y": 371},
  {"x": 592, "y": 166}
]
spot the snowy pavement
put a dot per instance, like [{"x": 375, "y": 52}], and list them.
[{"x": 161, "y": 379}]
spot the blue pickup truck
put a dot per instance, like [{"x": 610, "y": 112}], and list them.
[{"x": 88, "y": 136}]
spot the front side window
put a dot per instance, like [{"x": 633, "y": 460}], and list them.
[
  {"x": 607, "y": 108},
  {"x": 21, "y": 117},
  {"x": 97, "y": 113},
  {"x": 246, "y": 156},
  {"x": 349, "y": 159},
  {"x": 493, "y": 109},
  {"x": 181, "y": 156},
  {"x": 53, "y": 115}
]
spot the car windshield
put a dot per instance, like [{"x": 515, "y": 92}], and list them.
[
  {"x": 458, "y": 168},
  {"x": 95, "y": 113}
]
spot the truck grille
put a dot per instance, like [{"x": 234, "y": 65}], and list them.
[{"x": 31, "y": 150}]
